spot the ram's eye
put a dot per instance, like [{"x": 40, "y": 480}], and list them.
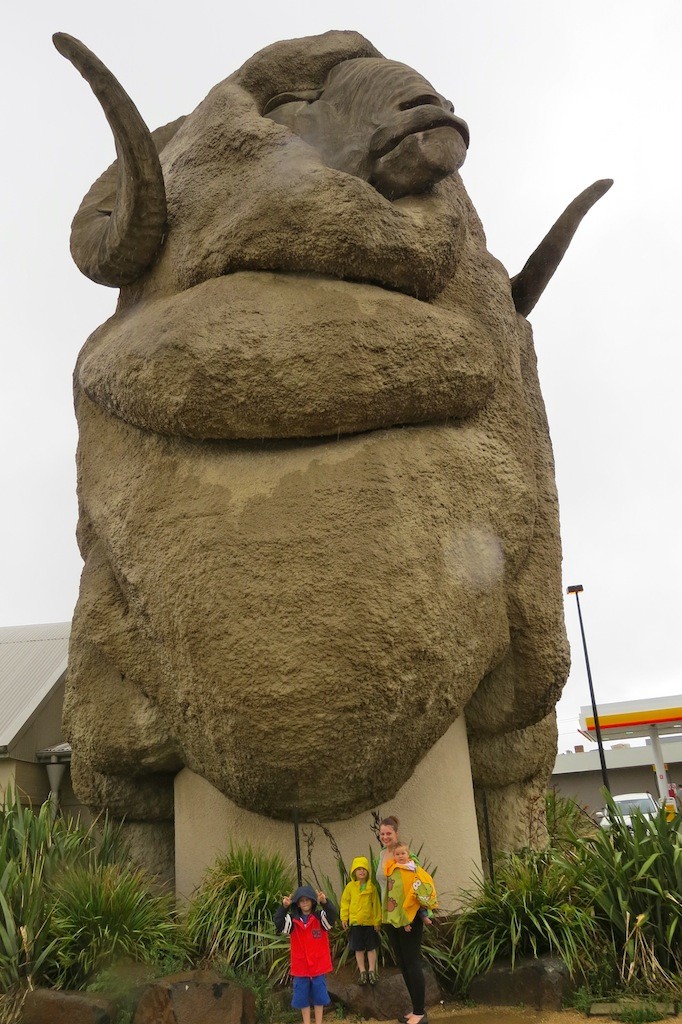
[
  {"x": 425, "y": 100},
  {"x": 301, "y": 96}
]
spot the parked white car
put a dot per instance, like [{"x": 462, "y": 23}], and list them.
[{"x": 628, "y": 804}]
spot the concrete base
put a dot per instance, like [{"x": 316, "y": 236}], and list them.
[{"x": 435, "y": 808}]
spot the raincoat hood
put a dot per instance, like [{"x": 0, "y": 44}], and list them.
[
  {"x": 360, "y": 862},
  {"x": 304, "y": 890}
]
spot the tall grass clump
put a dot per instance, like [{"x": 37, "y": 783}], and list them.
[
  {"x": 527, "y": 910},
  {"x": 632, "y": 877},
  {"x": 101, "y": 914},
  {"x": 29, "y": 852},
  {"x": 640, "y": 1012},
  {"x": 567, "y": 820},
  {"x": 69, "y": 901},
  {"x": 33, "y": 849},
  {"x": 230, "y": 917}
]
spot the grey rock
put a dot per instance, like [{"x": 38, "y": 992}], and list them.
[
  {"x": 543, "y": 983},
  {"x": 195, "y": 997},
  {"x": 386, "y": 1000},
  {"x": 47, "y": 1006}
]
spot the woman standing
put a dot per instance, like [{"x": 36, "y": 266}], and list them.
[{"x": 405, "y": 940}]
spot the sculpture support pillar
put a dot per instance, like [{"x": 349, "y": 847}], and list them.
[{"x": 435, "y": 807}]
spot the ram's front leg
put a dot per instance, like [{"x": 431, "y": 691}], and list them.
[{"x": 512, "y": 770}]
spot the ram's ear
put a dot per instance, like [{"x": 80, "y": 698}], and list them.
[
  {"x": 296, "y": 96},
  {"x": 531, "y": 281}
]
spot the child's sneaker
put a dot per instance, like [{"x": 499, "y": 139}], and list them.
[
  {"x": 363, "y": 978},
  {"x": 372, "y": 978}
]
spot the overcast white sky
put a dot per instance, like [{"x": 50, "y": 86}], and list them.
[{"x": 556, "y": 95}]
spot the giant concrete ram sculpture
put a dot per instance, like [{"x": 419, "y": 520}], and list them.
[{"x": 315, "y": 477}]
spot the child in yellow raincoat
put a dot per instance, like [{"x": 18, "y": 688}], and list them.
[{"x": 361, "y": 912}]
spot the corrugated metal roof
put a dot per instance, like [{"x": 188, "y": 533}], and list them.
[{"x": 32, "y": 661}]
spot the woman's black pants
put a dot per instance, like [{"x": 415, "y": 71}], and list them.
[{"x": 406, "y": 948}]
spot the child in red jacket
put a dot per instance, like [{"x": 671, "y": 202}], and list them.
[{"x": 307, "y": 925}]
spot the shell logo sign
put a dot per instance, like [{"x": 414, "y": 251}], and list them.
[
  {"x": 630, "y": 719},
  {"x": 650, "y": 719}
]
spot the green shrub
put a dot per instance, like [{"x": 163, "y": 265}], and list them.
[
  {"x": 581, "y": 998},
  {"x": 33, "y": 849},
  {"x": 639, "y": 1013},
  {"x": 101, "y": 914},
  {"x": 632, "y": 876},
  {"x": 527, "y": 910},
  {"x": 30, "y": 850},
  {"x": 231, "y": 915},
  {"x": 567, "y": 820},
  {"x": 63, "y": 893},
  {"x": 438, "y": 950}
]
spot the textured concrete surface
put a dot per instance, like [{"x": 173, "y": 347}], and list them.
[{"x": 317, "y": 502}]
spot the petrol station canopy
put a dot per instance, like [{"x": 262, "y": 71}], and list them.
[{"x": 632, "y": 719}]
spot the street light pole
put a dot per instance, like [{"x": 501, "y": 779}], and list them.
[
  {"x": 297, "y": 845},
  {"x": 578, "y": 589}
]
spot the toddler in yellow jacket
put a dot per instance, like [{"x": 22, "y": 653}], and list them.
[
  {"x": 410, "y": 890},
  {"x": 361, "y": 913}
]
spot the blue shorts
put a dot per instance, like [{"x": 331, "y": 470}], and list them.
[{"x": 310, "y": 992}]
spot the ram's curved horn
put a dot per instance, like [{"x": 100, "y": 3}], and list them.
[
  {"x": 113, "y": 242},
  {"x": 530, "y": 283}
]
